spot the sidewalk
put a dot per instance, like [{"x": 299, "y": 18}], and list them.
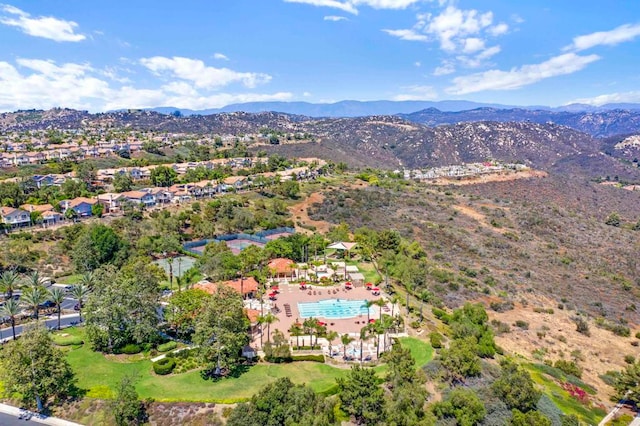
[{"x": 15, "y": 411}]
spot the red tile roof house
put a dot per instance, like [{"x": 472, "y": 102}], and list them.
[
  {"x": 15, "y": 218},
  {"x": 282, "y": 268},
  {"x": 248, "y": 286}
]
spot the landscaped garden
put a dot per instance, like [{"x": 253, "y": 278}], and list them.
[{"x": 100, "y": 374}]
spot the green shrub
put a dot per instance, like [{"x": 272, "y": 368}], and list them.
[
  {"x": 436, "y": 340},
  {"x": 169, "y": 346},
  {"x": 568, "y": 367},
  {"x": 67, "y": 340},
  {"x": 522, "y": 324},
  {"x": 130, "y": 349},
  {"x": 164, "y": 366},
  {"x": 314, "y": 358},
  {"x": 441, "y": 315}
]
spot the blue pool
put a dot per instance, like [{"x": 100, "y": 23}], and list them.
[{"x": 332, "y": 309}]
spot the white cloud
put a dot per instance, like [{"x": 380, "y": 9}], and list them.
[
  {"x": 334, "y": 18},
  {"x": 446, "y": 68},
  {"x": 345, "y": 7},
  {"x": 417, "y": 93},
  {"x": 567, "y": 63},
  {"x": 351, "y": 6},
  {"x": 618, "y": 35},
  {"x": 472, "y": 45},
  {"x": 463, "y": 34},
  {"x": 517, "y": 18},
  {"x": 417, "y": 64},
  {"x": 220, "y": 56},
  {"x": 41, "y": 26},
  {"x": 453, "y": 24},
  {"x": 201, "y": 75},
  {"x": 499, "y": 29},
  {"x": 306, "y": 94},
  {"x": 37, "y": 83},
  {"x": 409, "y": 35},
  {"x": 624, "y": 97}
]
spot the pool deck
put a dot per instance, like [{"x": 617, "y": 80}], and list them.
[{"x": 291, "y": 295}]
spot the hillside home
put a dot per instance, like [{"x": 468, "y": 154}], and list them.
[
  {"x": 51, "y": 217},
  {"x": 140, "y": 197},
  {"x": 112, "y": 202},
  {"x": 15, "y": 218},
  {"x": 163, "y": 196},
  {"x": 81, "y": 205},
  {"x": 235, "y": 182}
]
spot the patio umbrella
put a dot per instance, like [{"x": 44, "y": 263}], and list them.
[
  {"x": 275, "y": 288},
  {"x": 347, "y": 284},
  {"x": 369, "y": 285}
]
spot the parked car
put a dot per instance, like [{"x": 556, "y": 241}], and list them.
[{"x": 47, "y": 304}]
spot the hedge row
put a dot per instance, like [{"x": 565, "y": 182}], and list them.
[{"x": 164, "y": 366}]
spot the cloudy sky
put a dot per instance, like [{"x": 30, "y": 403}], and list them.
[{"x": 206, "y": 54}]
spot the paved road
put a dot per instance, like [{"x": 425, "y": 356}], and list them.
[
  {"x": 65, "y": 321},
  {"x": 9, "y": 420}
]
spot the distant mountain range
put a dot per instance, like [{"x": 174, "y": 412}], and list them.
[{"x": 367, "y": 108}]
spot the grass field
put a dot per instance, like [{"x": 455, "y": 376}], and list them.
[
  {"x": 562, "y": 399},
  {"x": 99, "y": 375}
]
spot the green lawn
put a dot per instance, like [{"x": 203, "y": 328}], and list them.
[
  {"x": 99, "y": 375},
  {"x": 69, "y": 279}
]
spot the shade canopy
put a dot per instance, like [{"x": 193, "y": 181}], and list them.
[{"x": 342, "y": 245}]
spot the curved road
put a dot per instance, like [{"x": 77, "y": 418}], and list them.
[{"x": 50, "y": 322}]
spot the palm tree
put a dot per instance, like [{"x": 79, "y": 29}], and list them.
[
  {"x": 364, "y": 335},
  {"x": 386, "y": 324},
  {"x": 56, "y": 295},
  {"x": 33, "y": 297},
  {"x": 346, "y": 340},
  {"x": 80, "y": 292},
  {"x": 261, "y": 322},
  {"x": 309, "y": 325},
  {"x": 331, "y": 336},
  {"x": 409, "y": 288},
  {"x": 87, "y": 280},
  {"x": 269, "y": 319},
  {"x": 394, "y": 300},
  {"x": 35, "y": 280},
  {"x": 11, "y": 309},
  {"x": 296, "y": 330},
  {"x": 9, "y": 283},
  {"x": 425, "y": 296},
  {"x": 368, "y": 304},
  {"x": 380, "y": 303}
]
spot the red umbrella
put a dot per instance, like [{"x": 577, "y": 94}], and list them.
[
  {"x": 369, "y": 285},
  {"x": 376, "y": 289},
  {"x": 347, "y": 284},
  {"x": 275, "y": 288},
  {"x": 272, "y": 294},
  {"x": 322, "y": 324},
  {"x": 371, "y": 321}
]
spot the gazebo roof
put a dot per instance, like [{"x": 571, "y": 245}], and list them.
[{"x": 342, "y": 245}]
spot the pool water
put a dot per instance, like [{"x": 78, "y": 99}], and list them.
[{"x": 332, "y": 309}]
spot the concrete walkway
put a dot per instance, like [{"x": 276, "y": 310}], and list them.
[{"x": 36, "y": 418}]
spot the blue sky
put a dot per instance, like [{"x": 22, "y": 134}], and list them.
[{"x": 206, "y": 54}]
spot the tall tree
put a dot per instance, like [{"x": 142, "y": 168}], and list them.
[
  {"x": 122, "y": 182},
  {"x": 345, "y": 339},
  {"x": 182, "y": 310},
  {"x": 283, "y": 403},
  {"x": 360, "y": 396},
  {"x": 163, "y": 176},
  {"x": 38, "y": 372},
  {"x": 463, "y": 405},
  {"x": 629, "y": 381},
  {"x": 32, "y": 298},
  {"x": 221, "y": 329},
  {"x": 11, "y": 309},
  {"x": 56, "y": 295},
  {"x": 9, "y": 283},
  {"x": 515, "y": 387},
  {"x": 269, "y": 319},
  {"x": 122, "y": 308},
  {"x": 80, "y": 292},
  {"x": 126, "y": 407}
]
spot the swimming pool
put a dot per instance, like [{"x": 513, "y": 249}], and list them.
[{"x": 332, "y": 309}]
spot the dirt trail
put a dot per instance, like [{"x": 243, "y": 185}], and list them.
[
  {"x": 479, "y": 217},
  {"x": 497, "y": 177},
  {"x": 300, "y": 213}
]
